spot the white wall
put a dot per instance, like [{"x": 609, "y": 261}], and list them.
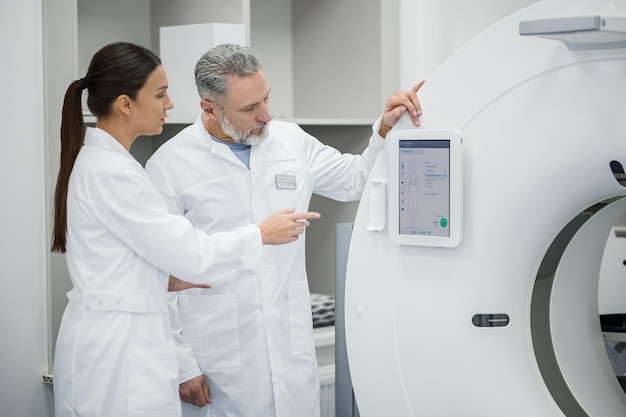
[{"x": 23, "y": 297}]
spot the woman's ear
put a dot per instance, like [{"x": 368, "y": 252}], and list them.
[{"x": 123, "y": 103}]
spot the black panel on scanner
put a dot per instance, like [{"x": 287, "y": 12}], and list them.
[{"x": 613, "y": 323}]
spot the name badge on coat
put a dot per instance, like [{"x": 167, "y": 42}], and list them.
[{"x": 285, "y": 182}]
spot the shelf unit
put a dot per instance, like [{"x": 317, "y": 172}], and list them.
[{"x": 322, "y": 63}]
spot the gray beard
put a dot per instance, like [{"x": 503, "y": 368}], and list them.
[{"x": 245, "y": 138}]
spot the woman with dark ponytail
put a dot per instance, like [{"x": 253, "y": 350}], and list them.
[{"x": 115, "y": 353}]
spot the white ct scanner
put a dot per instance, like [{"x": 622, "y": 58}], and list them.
[{"x": 483, "y": 301}]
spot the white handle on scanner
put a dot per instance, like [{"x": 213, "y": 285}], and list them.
[
  {"x": 579, "y": 32},
  {"x": 620, "y": 231},
  {"x": 377, "y": 220}
]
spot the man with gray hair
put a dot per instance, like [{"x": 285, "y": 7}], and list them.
[{"x": 248, "y": 340}]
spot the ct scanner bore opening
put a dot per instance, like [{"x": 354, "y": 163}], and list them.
[{"x": 571, "y": 265}]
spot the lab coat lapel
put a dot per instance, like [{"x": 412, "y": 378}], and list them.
[
  {"x": 219, "y": 149},
  {"x": 102, "y": 139}
]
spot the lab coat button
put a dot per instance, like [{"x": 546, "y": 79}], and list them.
[{"x": 268, "y": 379}]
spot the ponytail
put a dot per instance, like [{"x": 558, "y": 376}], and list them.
[{"x": 72, "y": 136}]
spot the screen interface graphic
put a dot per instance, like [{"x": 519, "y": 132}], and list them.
[{"x": 424, "y": 187}]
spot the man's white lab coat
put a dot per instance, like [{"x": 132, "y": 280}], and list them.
[{"x": 251, "y": 334}]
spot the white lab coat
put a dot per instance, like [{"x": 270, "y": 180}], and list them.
[
  {"x": 251, "y": 333},
  {"x": 115, "y": 354}
]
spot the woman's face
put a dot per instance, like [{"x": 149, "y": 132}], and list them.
[{"x": 152, "y": 104}]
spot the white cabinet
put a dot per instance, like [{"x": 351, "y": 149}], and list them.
[{"x": 180, "y": 48}]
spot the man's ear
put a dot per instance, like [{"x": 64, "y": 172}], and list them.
[
  {"x": 124, "y": 104},
  {"x": 209, "y": 109}
]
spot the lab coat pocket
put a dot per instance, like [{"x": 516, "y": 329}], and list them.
[
  {"x": 153, "y": 379},
  {"x": 193, "y": 411},
  {"x": 282, "y": 161},
  {"x": 300, "y": 317},
  {"x": 211, "y": 327}
]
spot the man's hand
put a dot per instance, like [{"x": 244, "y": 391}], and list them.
[
  {"x": 176, "y": 284},
  {"x": 195, "y": 391},
  {"x": 398, "y": 104}
]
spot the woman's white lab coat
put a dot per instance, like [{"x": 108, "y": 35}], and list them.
[
  {"x": 252, "y": 333},
  {"x": 115, "y": 354}
]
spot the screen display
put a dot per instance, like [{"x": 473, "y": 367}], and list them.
[{"x": 424, "y": 187}]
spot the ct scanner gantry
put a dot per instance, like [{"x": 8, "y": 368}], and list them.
[{"x": 504, "y": 321}]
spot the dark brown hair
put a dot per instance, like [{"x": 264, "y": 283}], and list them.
[{"x": 116, "y": 69}]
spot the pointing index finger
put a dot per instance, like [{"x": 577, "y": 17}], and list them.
[
  {"x": 416, "y": 102},
  {"x": 307, "y": 215},
  {"x": 419, "y": 85}
]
